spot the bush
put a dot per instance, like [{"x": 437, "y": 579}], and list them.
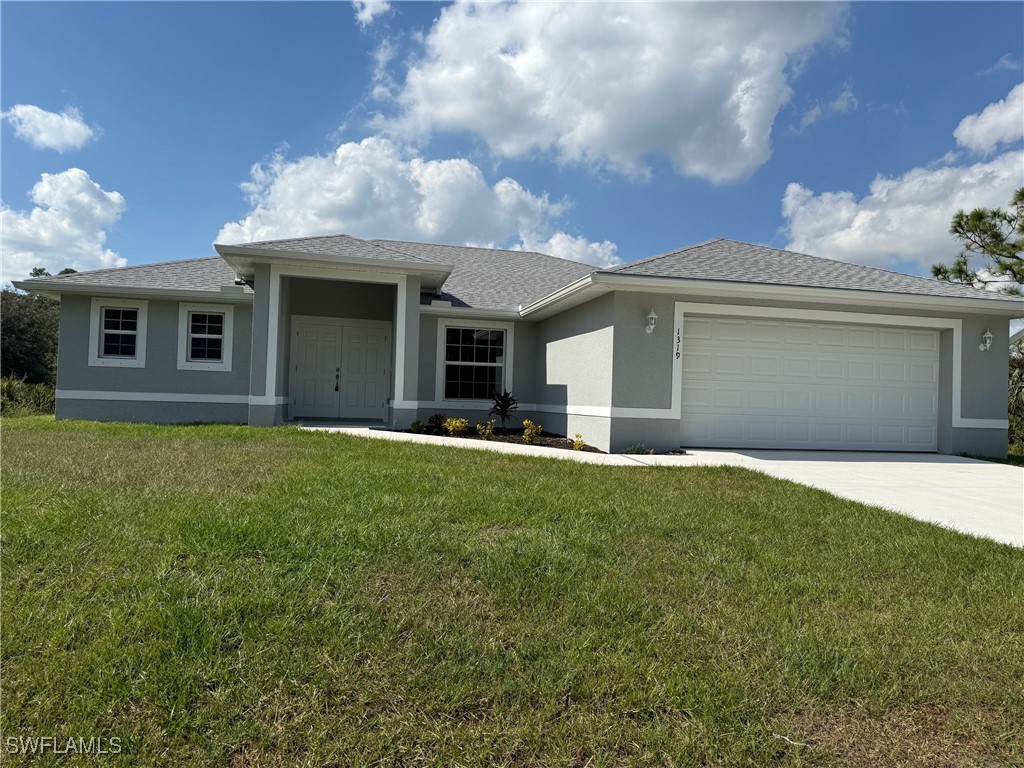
[
  {"x": 436, "y": 423},
  {"x": 485, "y": 429},
  {"x": 578, "y": 444},
  {"x": 638, "y": 448},
  {"x": 418, "y": 427},
  {"x": 19, "y": 398},
  {"x": 1016, "y": 399},
  {"x": 504, "y": 405},
  {"x": 456, "y": 427},
  {"x": 531, "y": 431}
]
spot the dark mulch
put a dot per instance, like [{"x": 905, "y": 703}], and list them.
[{"x": 546, "y": 439}]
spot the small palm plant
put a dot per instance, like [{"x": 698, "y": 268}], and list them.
[{"x": 504, "y": 406}]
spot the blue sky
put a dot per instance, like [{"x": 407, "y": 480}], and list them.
[{"x": 602, "y": 132}]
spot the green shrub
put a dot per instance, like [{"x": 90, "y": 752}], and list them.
[
  {"x": 1016, "y": 398},
  {"x": 485, "y": 429},
  {"x": 531, "y": 431},
  {"x": 638, "y": 448},
  {"x": 456, "y": 427},
  {"x": 436, "y": 423},
  {"x": 418, "y": 427},
  {"x": 578, "y": 443},
  {"x": 19, "y": 398}
]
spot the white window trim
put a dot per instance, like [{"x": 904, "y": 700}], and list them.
[
  {"x": 443, "y": 324},
  {"x": 224, "y": 365},
  {"x": 96, "y": 333}
]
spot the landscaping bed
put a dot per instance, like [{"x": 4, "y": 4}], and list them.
[{"x": 544, "y": 440}]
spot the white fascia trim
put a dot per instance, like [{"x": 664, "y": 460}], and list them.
[
  {"x": 905, "y": 321},
  {"x": 583, "y": 283},
  {"x": 227, "y": 343},
  {"x": 443, "y": 323},
  {"x": 95, "y": 358},
  {"x": 297, "y": 260},
  {"x": 470, "y": 313},
  {"x": 881, "y": 299},
  {"x": 170, "y": 294}
]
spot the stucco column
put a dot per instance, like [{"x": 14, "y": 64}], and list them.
[
  {"x": 407, "y": 351},
  {"x": 263, "y": 411}
]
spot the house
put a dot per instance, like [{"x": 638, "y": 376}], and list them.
[{"x": 720, "y": 344}]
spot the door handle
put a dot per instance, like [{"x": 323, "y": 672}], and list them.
[{"x": 337, "y": 378}]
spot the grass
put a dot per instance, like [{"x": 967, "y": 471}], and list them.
[
  {"x": 1016, "y": 454},
  {"x": 245, "y": 597}
]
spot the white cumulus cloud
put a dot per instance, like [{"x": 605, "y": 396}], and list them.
[
  {"x": 615, "y": 85},
  {"x": 67, "y": 227},
  {"x": 49, "y": 130},
  {"x": 906, "y": 218},
  {"x": 367, "y": 10},
  {"x": 999, "y": 123},
  {"x": 378, "y": 189},
  {"x": 901, "y": 219}
]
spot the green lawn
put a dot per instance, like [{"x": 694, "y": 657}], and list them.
[{"x": 246, "y": 597}]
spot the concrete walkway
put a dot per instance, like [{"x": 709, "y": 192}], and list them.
[{"x": 980, "y": 498}]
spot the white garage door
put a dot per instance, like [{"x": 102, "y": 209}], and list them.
[{"x": 781, "y": 384}]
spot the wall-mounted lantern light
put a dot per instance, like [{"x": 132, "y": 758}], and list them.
[
  {"x": 652, "y": 321},
  {"x": 986, "y": 341}
]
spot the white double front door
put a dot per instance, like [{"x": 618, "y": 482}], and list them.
[{"x": 339, "y": 368}]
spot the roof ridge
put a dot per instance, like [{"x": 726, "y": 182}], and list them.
[
  {"x": 45, "y": 278},
  {"x": 852, "y": 264},
  {"x": 345, "y": 235},
  {"x": 482, "y": 248},
  {"x": 673, "y": 252}
]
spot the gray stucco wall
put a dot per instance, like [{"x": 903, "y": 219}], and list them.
[
  {"x": 161, "y": 373},
  {"x": 153, "y": 412},
  {"x": 642, "y": 368},
  {"x": 574, "y": 355}
]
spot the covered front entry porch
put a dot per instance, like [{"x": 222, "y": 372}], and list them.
[
  {"x": 339, "y": 368},
  {"x": 341, "y": 345}
]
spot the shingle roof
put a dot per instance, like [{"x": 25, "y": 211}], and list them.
[
  {"x": 734, "y": 261},
  {"x": 486, "y": 278},
  {"x": 207, "y": 274},
  {"x": 334, "y": 245}
]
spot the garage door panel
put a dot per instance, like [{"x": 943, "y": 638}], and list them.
[
  {"x": 698, "y": 328},
  {"x": 809, "y": 385},
  {"x": 731, "y": 364},
  {"x": 731, "y": 330},
  {"x": 892, "y": 340},
  {"x": 765, "y": 333}
]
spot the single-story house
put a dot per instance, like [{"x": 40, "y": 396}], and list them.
[{"x": 720, "y": 344}]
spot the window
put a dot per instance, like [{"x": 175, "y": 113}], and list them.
[
  {"x": 120, "y": 331},
  {"x": 473, "y": 359},
  {"x": 204, "y": 337},
  {"x": 117, "y": 333}
]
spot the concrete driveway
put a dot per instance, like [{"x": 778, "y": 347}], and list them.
[{"x": 980, "y": 498}]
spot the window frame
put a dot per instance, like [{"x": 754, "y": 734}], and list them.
[
  {"x": 185, "y": 310},
  {"x": 96, "y": 358},
  {"x": 443, "y": 324}
]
